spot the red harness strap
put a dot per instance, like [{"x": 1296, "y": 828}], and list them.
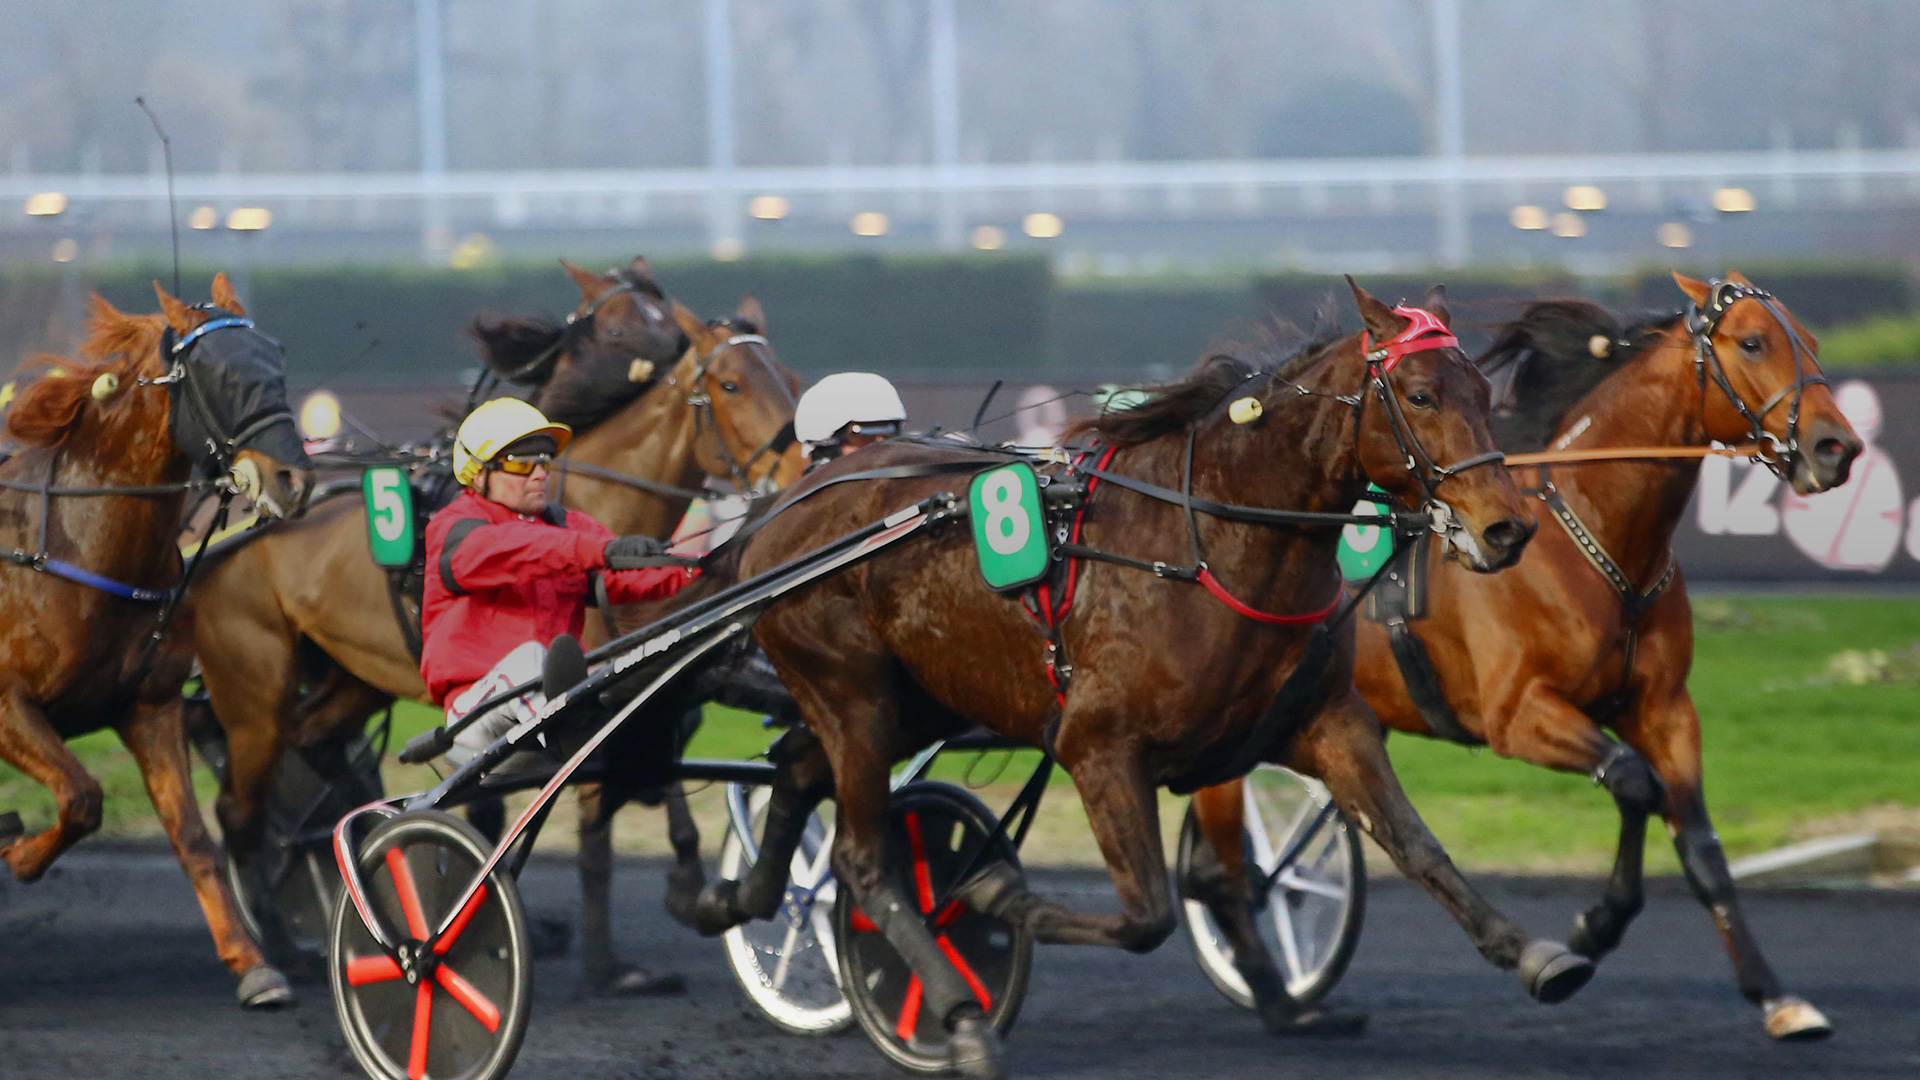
[
  {"x": 1221, "y": 594},
  {"x": 1040, "y": 603},
  {"x": 1424, "y": 331}
]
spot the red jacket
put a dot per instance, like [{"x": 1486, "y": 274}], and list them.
[{"x": 497, "y": 579}]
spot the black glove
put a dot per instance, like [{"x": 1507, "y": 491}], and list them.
[{"x": 634, "y": 552}]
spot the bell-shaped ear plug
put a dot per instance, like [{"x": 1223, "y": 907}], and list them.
[
  {"x": 1600, "y": 345},
  {"x": 640, "y": 371},
  {"x": 105, "y": 385},
  {"x": 1245, "y": 411}
]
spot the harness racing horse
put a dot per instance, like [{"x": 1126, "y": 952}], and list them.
[
  {"x": 106, "y": 448},
  {"x": 1592, "y": 632},
  {"x": 659, "y": 400},
  {"x": 897, "y": 652}
]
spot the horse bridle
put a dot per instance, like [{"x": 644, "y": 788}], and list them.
[
  {"x": 1423, "y": 332},
  {"x": 701, "y": 401},
  {"x": 222, "y": 447},
  {"x": 1779, "y": 457}
]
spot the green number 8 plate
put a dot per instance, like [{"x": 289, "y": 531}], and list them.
[
  {"x": 1009, "y": 531},
  {"x": 389, "y": 515},
  {"x": 1364, "y": 549}
]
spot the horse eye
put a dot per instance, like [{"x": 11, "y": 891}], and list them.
[
  {"x": 730, "y": 387},
  {"x": 613, "y": 331},
  {"x": 1751, "y": 344},
  {"x": 1420, "y": 399}
]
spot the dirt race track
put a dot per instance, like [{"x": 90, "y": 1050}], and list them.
[{"x": 107, "y": 971}]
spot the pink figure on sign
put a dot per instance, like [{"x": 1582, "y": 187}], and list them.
[{"x": 1857, "y": 525}]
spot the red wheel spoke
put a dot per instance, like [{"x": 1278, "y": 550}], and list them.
[
  {"x": 362, "y": 970},
  {"x": 409, "y": 894},
  {"x": 948, "y": 914},
  {"x": 468, "y": 996},
  {"x": 966, "y": 972},
  {"x": 422, "y": 1027},
  {"x": 460, "y": 921},
  {"x": 909, "y": 1012},
  {"x": 860, "y": 921},
  {"x": 922, "y": 876}
]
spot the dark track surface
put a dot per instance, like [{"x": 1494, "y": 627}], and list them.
[{"x": 107, "y": 971}]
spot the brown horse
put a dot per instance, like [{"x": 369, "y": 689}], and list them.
[
  {"x": 894, "y": 653},
  {"x": 117, "y": 436},
  {"x": 309, "y": 586},
  {"x": 1540, "y": 662}
]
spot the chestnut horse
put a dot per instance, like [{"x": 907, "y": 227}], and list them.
[
  {"x": 907, "y": 648},
  {"x": 655, "y": 395},
  {"x": 1532, "y": 661},
  {"x": 118, "y": 437}
]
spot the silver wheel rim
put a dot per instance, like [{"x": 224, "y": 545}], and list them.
[{"x": 788, "y": 966}]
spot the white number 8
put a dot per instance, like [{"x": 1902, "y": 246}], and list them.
[{"x": 1008, "y": 527}]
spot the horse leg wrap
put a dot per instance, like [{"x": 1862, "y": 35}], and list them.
[
  {"x": 1705, "y": 865},
  {"x": 1630, "y": 780},
  {"x": 905, "y": 929},
  {"x": 1638, "y": 792}
]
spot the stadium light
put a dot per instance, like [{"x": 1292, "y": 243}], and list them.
[
  {"x": 870, "y": 223},
  {"x": 203, "y": 218},
  {"x": 1674, "y": 234},
  {"x": 1586, "y": 197},
  {"x": 769, "y": 207},
  {"x": 249, "y": 219},
  {"x": 1042, "y": 226},
  {"x": 46, "y": 204},
  {"x": 1569, "y": 225},
  {"x": 66, "y": 249},
  {"x": 989, "y": 237},
  {"x": 1528, "y": 217},
  {"x": 1733, "y": 200}
]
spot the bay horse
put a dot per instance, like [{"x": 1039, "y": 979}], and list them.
[
  {"x": 659, "y": 399},
  {"x": 1552, "y": 660},
  {"x": 104, "y": 449},
  {"x": 910, "y": 647}
]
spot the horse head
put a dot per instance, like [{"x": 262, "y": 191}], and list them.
[
  {"x": 744, "y": 395},
  {"x": 1423, "y": 431}
]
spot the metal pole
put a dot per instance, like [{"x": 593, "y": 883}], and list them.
[
  {"x": 943, "y": 76},
  {"x": 723, "y": 214},
  {"x": 1449, "y": 124},
  {"x": 430, "y": 95}
]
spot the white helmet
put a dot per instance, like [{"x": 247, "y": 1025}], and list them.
[{"x": 848, "y": 397}]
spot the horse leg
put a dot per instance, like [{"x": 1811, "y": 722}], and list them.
[
  {"x": 1669, "y": 738},
  {"x": 29, "y": 744},
  {"x": 1547, "y": 730},
  {"x": 251, "y": 675},
  {"x": 804, "y": 776},
  {"x": 154, "y": 735},
  {"x": 688, "y": 875},
  {"x": 601, "y": 966},
  {"x": 1342, "y": 746},
  {"x": 1217, "y": 877}
]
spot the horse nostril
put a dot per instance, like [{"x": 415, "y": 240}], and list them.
[
  {"x": 1507, "y": 534},
  {"x": 1832, "y": 451}
]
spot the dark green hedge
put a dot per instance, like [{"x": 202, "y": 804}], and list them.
[{"x": 912, "y": 316}]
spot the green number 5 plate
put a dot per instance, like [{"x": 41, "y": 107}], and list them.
[
  {"x": 389, "y": 516},
  {"x": 1009, "y": 531}
]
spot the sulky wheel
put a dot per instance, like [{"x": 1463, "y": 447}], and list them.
[
  {"x": 1311, "y": 911},
  {"x": 788, "y": 967},
  {"x": 933, "y": 831},
  {"x": 286, "y": 901},
  {"x": 463, "y": 1016}
]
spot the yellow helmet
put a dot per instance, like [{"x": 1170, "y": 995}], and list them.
[{"x": 493, "y": 427}]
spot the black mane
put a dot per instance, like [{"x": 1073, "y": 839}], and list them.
[
  {"x": 1545, "y": 361},
  {"x": 1176, "y": 406},
  {"x": 526, "y": 351}
]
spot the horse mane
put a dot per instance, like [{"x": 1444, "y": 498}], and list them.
[
  {"x": 1544, "y": 362},
  {"x": 514, "y": 347},
  {"x": 1174, "y": 407},
  {"x": 46, "y": 410}
]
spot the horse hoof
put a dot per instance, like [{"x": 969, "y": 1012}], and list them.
[
  {"x": 264, "y": 988},
  {"x": 974, "y": 1049},
  {"x": 1582, "y": 939},
  {"x": 630, "y": 981},
  {"x": 713, "y": 912},
  {"x": 1552, "y": 973},
  {"x": 1315, "y": 1024},
  {"x": 1791, "y": 1019}
]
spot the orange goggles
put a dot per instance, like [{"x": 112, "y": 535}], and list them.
[{"x": 520, "y": 464}]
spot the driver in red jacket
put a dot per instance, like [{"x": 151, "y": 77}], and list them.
[{"x": 507, "y": 572}]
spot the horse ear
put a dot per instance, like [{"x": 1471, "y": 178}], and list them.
[
  {"x": 750, "y": 312},
  {"x": 179, "y": 315},
  {"x": 1381, "y": 322},
  {"x": 591, "y": 284},
  {"x": 1697, "y": 291},
  {"x": 641, "y": 269},
  {"x": 1436, "y": 302},
  {"x": 223, "y": 294},
  {"x": 690, "y": 323}
]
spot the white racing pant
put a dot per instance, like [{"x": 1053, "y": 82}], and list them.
[{"x": 521, "y": 665}]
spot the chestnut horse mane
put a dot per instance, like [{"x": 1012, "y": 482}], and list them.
[
  {"x": 1174, "y": 407},
  {"x": 46, "y": 410},
  {"x": 1543, "y": 363}
]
